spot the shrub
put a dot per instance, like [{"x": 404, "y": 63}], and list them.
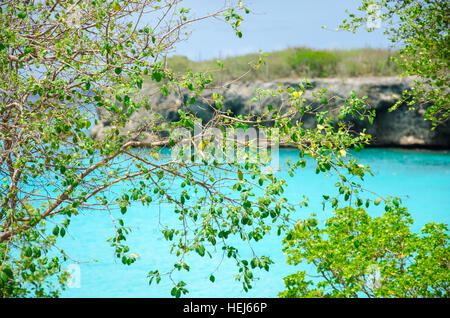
[{"x": 358, "y": 255}]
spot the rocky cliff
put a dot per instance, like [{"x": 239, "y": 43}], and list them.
[{"x": 400, "y": 128}]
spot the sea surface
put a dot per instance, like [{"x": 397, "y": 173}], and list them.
[{"x": 421, "y": 178}]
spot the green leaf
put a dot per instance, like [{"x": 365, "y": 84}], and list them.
[
  {"x": 200, "y": 249},
  {"x": 377, "y": 201},
  {"x": 8, "y": 272},
  {"x": 22, "y": 14},
  {"x": 28, "y": 252},
  {"x": 3, "y": 277},
  {"x": 130, "y": 111}
]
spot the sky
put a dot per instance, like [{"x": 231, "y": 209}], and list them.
[{"x": 275, "y": 25}]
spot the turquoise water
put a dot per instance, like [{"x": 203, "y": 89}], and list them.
[{"x": 420, "y": 178}]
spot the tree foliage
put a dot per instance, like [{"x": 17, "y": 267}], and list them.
[
  {"x": 64, "y": 62},
  {"x": 354, "y": 254},
  {"x": 61, "y": 63},
  {"x": 357, "y": 255},
  {"x": 420, "y": 29}
]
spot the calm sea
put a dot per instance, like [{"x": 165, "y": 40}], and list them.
[{"x": 420, "y": 178}]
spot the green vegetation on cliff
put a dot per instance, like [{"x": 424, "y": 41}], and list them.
[{"x": 296, "y": 62}]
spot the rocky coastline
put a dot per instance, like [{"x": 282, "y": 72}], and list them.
[{"x": 403, "y": 127}]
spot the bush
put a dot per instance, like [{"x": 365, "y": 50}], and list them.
[
  {"x": 295, "y": 63},
  {"x": 358, "y": 255},
  {"x": 314, "y": 63}
]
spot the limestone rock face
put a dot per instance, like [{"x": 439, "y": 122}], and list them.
[{"x": 402, "y": 127}]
